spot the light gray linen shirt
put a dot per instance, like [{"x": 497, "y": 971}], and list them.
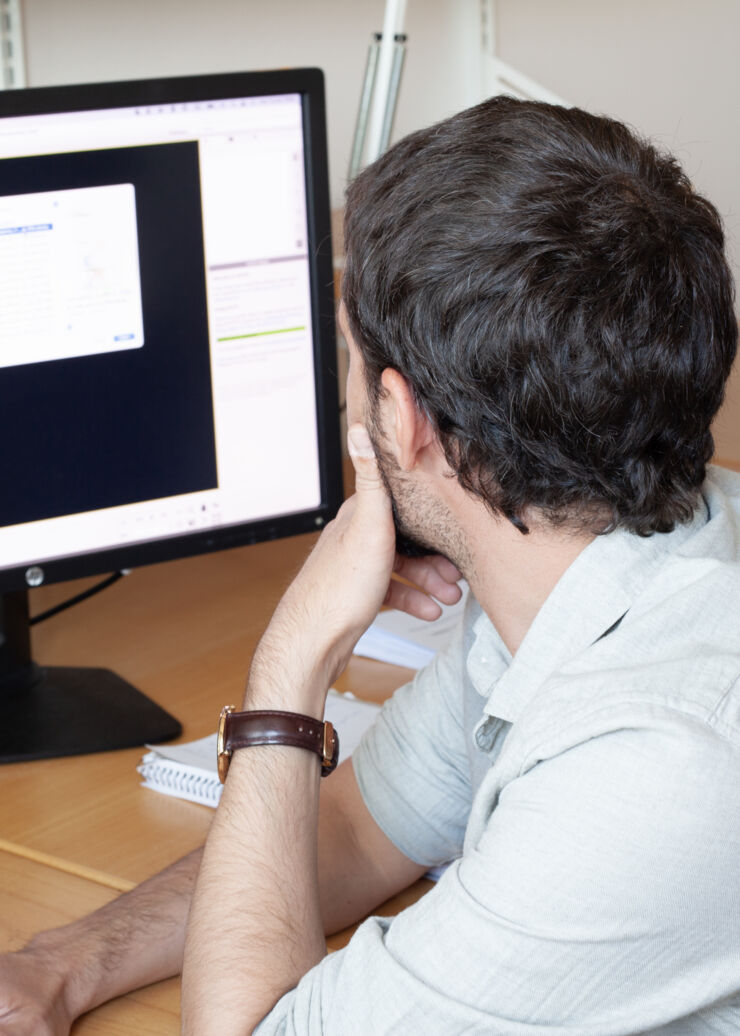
[{"x": 589, "y": 792}]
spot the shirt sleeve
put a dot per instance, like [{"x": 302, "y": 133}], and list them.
[
  {"x": 601, "y": 899},
  {"x": 411, "y": 766}
]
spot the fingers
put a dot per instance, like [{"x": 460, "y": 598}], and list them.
[
  {"x": 434, "y": 574},
  {"x": 434, "y": 577},
  {"x": 360, "y": 449},
  {"x": 446, "y": 568},
  {"x": 372, "y": 519},
  {"x": 411, "y": 600}
]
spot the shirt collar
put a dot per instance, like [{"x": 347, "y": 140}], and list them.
[{"x": 591, "y": 596}]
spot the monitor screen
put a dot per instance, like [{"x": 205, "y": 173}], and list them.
[
  {"x": 167, "y": 356},
  {"x": 165, "y": 366}
]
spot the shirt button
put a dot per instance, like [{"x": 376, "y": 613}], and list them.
[{"x": 482, "y": 734}]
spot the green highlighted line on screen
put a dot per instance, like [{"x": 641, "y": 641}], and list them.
[{"x": 261, "y": 334}]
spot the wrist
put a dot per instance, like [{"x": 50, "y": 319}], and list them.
[
  {"x": 75, "y": 958},
  {"x": 253, "y": 728},
  {"x": 294, "y": 680},
  {"x": 49, "y": 953},
  {"x": 300, "y": 655}
]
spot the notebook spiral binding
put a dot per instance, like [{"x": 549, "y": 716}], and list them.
[{"x": 180, "y": 781}]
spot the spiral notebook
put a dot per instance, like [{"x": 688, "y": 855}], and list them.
[{"x": 189, "y": 771}]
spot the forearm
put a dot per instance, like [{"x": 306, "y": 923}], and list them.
[
  {"x": 136, "y": 939},
  {"x": 255, "y": 926},
  {"x": 358, "y": 869},
  {"x": 257, "y": 921}
]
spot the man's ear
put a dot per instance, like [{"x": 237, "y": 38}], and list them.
[{"x": 407, "y": 428}]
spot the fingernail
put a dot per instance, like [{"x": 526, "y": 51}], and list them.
[{"x": 358, "y": 442}]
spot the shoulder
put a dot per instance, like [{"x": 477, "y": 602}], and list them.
[{"x": 674, "y": 656}]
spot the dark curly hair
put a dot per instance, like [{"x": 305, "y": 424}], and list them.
[{"x": 556, "y": 294}]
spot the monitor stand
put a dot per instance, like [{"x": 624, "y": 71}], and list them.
[{"x": 52, "y": 711}]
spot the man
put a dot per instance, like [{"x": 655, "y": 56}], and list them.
[{"x": 540, "y": 325}]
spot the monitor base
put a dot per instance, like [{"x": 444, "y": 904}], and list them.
[{"x": 56, "y": 711}]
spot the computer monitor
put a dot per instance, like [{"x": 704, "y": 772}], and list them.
[{"x": 167, "y": 356}]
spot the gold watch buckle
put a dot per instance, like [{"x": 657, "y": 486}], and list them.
[
  {"x": 328, "y": 748},
  {"x": 223, "y": 755}
]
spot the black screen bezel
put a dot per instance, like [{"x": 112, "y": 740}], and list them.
[{"x": 309, "y": 84}]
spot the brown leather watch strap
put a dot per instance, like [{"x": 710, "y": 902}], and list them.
[{"x": 272, "y": 727}]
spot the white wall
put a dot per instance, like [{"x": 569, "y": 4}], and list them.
[
  {"x": 72, "y": 41},
  {"x": 669, "y": 67}
]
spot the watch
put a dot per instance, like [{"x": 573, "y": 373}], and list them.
[{"x": 272, "y": 727}]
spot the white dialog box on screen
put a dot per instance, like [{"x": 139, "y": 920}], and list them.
[{"x": 69, "y": 274}]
